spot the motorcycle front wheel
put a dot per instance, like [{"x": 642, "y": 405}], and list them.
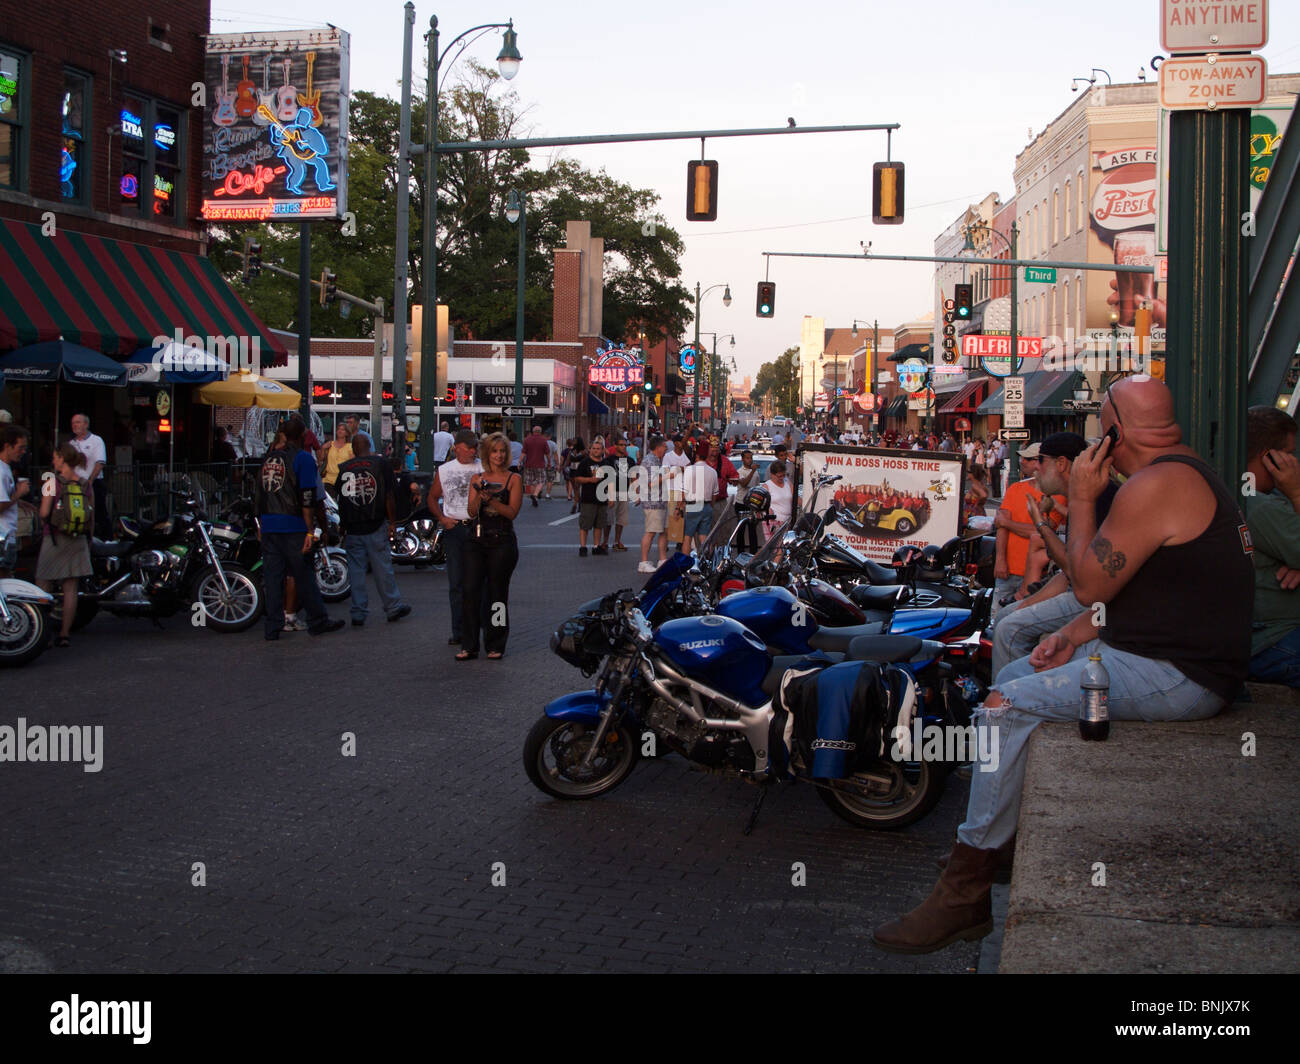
[
  {"x": 332, "y": 574},
  {"x": 231, "y": 611},
  {"x": 23, "y": 636},
  {"x": 909, "y": 792},
  {"x": 554, "y": 751}
]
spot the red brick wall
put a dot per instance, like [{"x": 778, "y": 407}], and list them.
[
  {"x": 565, "y": 305},
  {"x": 1000, "y": 276},
  {"x": 56, "y": 35}
]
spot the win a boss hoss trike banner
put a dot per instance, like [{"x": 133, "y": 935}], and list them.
[{"x": 902, "y": 497}]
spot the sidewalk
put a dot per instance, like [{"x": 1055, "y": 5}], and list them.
[{"x": 1195, "y": 837}]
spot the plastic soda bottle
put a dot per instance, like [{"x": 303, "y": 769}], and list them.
[{"x": 1094, "y": 717}]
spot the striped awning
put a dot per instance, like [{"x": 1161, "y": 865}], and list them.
[
  {"x": 114, "y": 296},
  {"x": 968, "y": 400}
]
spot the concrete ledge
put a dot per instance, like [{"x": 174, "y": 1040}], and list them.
[{"x": 1198, "y": 843}]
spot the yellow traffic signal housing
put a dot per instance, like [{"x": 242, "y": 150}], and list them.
[
  {"x": 887, "y": 193},
  {"x": 701, "y": 190}
]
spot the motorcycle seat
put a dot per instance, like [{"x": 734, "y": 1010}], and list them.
[
  {"x": 880, "y": 574},
  {"x": 783, "y": 663},
  {"x": 884, "y": 648},
  {"x": 838, "y": 639},
  {"x": 872, "y": 597},
  {"x": 109, "y": 548}
]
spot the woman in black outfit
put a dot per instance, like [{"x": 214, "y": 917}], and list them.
[{"x": 491, "y": 551}]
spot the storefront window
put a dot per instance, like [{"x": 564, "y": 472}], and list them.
[
  {"x": 72, "y": 173},
  {"x": 152, "y": 153},
  {"x": 354, "y": 393},
  {"x": 13, "y": 72}
]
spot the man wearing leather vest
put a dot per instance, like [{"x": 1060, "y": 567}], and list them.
[{"x": 287, "y": 487}]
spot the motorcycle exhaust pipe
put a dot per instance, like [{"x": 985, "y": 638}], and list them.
[{"x": 688, "y": 710}]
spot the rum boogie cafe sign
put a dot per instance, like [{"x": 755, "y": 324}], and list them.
[{"x": 275, "y": 130}]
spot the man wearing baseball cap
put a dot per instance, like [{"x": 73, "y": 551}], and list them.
[{"x": 1014, "y": 528}]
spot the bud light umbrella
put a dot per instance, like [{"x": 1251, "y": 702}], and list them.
[{"x": 59, "y": 360}]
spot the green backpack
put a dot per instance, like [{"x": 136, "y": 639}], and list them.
[{"x": 72, "y": 513}]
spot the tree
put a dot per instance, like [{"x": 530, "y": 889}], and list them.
[{"x": 781, "y": 379}]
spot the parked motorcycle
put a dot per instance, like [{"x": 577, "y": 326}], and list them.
[
  {"x": 161, "y": 568},
  {"x": 236, "y": 537},
  {"x": 704, "y": 688},
  {"x": 23, "y": 621}
]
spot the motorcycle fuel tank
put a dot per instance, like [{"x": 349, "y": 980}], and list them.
[
  {"x": 717, "y": 651},
  {"x": 771, "y": 613}
]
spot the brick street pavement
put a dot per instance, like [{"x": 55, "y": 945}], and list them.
[{"x": 226, "y": 750}]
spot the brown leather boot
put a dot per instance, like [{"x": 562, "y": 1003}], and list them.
[
  {"x": 957, "y": 909},
  {"x": 1006, "y": 859}
]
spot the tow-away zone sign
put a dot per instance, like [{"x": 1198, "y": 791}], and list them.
[{"x": 1213, "y": 82}]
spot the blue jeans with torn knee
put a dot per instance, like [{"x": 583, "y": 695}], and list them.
[{"x": 1140, "y": 689}]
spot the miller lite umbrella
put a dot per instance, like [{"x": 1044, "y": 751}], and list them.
[{"x": 248, "y": 389}]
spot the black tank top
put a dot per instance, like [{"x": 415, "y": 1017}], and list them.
[
  {"x": 1191, "y": 603},
  {"x": 495, "y": 526}
]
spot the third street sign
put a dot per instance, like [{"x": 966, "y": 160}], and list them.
[{"x": 1040, "y": 275}]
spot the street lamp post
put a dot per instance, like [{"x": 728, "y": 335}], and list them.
[
  {"x": 508, "y": 61},
  {"x": 517, "y": 212},
  {"x": 715, "y": 368},
  {"x": 1014, "y": 352},
  {"x": 726, "y": 302},
  {"x": 869, "y": 364}
]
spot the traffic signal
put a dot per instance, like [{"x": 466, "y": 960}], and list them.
[
  {"x": 701, "y": 190},
  {"x": 962, "y": 298},
  {"x": 766, "y": 304},
  {"x": 252, "y": 260},
  {"x": 329, "y": 288},
  {"x": 674, "y": 387},
  {"x": 887, "y": 193},
  {"x": 949, "y": 332}
]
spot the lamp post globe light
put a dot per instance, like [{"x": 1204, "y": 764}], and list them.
[
  {"x": 508, "y": 60},
  {"x": 726, "y": 302}
]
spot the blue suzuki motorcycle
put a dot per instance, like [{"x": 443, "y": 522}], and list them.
[{"x": 709, "y": 688}]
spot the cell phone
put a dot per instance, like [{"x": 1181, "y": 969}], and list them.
[{"x": 1112, "y": 434}]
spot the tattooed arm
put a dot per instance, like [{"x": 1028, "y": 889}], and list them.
[{"x": 1146, "y": 514}]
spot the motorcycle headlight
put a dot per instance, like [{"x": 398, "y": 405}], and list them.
[{"x": 582, "y": 641}]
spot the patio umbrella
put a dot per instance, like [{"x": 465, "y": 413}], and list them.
[
  {"x": 173, "y": 364},
  {"x": 59, "y": 360},
  {"x": 248, "y": 389}
]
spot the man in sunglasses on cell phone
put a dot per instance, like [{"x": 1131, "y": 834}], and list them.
[{"x": 1167, "y": 585}]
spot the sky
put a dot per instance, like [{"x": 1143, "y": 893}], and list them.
[{"x": 969, "y": 85}]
